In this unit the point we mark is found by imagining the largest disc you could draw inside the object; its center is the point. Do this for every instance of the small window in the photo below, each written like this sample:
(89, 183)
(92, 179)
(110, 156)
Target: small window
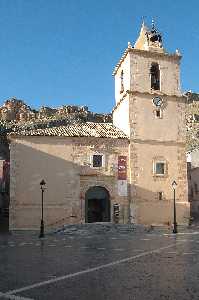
(155, 76)
(122, 82)
(97, 160)
(160, 168)
(158, 113)
(160, 196)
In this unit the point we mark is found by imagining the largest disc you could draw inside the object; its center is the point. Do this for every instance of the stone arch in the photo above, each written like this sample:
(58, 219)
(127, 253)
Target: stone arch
(85, 185)
(97, 204)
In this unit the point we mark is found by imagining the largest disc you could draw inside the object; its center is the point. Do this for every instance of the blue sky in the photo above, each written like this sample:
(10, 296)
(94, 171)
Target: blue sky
(56, 52)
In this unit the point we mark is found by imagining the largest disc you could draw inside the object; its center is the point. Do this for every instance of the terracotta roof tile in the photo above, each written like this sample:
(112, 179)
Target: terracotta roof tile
(88, 129)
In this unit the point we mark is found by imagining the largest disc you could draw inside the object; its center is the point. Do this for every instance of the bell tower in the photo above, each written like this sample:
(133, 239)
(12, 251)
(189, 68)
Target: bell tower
(150, 109)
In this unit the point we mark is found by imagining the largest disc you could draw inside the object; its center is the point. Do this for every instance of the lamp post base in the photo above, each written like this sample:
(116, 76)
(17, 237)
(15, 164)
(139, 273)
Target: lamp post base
(175, 230)
(41, 235)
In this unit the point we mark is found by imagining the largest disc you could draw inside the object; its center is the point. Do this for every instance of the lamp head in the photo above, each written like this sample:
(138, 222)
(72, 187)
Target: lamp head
(42, 183)
(174, 184)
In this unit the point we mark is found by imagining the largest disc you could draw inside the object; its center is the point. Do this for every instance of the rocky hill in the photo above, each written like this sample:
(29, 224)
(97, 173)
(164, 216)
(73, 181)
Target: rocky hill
(16, 115)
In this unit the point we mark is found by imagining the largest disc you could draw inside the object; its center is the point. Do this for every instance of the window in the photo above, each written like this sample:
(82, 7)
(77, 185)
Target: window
(97, 160)
(159, 168)
(160, 196)
(155, 76)
(122, 82)
(158, 113)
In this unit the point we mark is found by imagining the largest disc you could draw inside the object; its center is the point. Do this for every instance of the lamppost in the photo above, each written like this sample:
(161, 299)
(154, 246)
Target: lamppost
(42, 184)
(174, 185)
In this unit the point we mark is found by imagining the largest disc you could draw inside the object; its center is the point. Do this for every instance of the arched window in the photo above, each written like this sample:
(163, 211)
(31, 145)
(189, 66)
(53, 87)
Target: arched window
(155, 76)
(122, 82)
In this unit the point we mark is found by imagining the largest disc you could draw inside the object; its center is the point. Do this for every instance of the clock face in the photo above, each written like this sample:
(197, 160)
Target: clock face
(157, 101)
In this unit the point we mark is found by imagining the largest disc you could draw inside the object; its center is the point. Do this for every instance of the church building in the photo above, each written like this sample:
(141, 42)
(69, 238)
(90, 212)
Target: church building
(110, 172)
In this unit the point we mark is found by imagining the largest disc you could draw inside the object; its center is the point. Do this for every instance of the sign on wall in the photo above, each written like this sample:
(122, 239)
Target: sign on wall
(122, 188)
(122, 167)
(122, 175)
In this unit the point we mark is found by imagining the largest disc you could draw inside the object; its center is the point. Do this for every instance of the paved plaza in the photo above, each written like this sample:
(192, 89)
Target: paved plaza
(100, 264)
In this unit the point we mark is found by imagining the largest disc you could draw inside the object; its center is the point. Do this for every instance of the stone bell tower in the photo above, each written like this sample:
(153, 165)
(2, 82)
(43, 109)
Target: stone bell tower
(150, 109)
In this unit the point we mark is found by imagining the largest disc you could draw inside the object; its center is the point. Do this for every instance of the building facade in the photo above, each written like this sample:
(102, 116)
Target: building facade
(79, 164)
(120, 172)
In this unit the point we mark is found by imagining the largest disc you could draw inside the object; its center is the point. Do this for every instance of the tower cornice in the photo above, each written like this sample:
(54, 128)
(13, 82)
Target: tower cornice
(152, 53)
(147, 94)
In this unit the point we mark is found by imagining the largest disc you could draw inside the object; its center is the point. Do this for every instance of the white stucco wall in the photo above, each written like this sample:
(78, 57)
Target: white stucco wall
(121, 116)
(125, 67)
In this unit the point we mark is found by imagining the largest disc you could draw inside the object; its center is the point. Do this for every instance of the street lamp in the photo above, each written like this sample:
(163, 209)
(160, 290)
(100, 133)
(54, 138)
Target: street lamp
(42, 184)
(174, 185)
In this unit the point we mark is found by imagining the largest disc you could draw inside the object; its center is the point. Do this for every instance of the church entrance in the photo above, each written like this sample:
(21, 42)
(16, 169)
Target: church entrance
(97, 205)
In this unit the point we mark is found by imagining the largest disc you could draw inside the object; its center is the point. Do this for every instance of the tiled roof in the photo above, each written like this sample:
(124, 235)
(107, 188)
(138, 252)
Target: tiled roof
(88, 129)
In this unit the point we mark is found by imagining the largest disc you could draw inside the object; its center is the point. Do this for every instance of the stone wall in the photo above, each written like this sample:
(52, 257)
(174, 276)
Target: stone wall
(158, 140)
(152, 137)
(140, 62)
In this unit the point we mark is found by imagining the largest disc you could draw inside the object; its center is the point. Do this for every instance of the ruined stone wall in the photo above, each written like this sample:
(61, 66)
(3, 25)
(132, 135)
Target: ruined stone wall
(65, 165)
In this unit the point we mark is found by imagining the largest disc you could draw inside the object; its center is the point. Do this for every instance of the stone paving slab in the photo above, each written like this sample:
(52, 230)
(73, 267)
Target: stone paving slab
(103, 228)
(90, 229)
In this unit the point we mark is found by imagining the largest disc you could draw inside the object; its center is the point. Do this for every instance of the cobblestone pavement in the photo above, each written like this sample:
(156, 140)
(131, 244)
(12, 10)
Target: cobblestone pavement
(100, 262)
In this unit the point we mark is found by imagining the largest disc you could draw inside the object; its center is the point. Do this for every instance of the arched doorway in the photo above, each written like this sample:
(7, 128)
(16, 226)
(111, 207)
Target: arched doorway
(97, 205)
